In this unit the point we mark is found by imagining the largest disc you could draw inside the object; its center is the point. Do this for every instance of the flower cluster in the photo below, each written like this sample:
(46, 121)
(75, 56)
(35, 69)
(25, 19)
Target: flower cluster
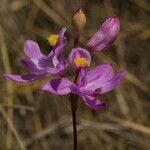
(90, 83)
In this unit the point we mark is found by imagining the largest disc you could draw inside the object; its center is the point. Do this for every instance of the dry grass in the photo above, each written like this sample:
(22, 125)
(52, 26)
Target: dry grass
(33, 119)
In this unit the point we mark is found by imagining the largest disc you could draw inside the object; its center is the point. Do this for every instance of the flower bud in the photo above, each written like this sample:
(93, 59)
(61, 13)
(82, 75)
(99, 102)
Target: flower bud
(79, 20)
(105, 36)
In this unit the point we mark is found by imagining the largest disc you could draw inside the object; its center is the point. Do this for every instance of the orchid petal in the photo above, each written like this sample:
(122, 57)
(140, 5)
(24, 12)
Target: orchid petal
(44, 62)
(62, 34)
(32, 49)
(90, 92)
(81, 81)
(59, 86)
(58, 50)
(44, 65)
(105, 36)
(99, 75)
(116, 81)
(61, 66)
(93, 103)
(23, 78)
(61, 43)
(32, 65)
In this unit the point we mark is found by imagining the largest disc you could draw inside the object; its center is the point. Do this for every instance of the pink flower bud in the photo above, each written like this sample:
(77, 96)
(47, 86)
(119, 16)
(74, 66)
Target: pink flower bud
(79, 19)
(105, 36)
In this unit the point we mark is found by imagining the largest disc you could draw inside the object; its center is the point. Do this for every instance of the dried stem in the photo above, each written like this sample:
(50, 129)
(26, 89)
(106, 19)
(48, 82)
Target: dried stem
(12, 128)
(9, 86)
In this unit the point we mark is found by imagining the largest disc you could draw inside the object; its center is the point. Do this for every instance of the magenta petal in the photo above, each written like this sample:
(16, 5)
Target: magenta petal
(61, 43)
(58, 50)
(59, 86)
(105, 36)
(75, 89)
(44, 65)
(101, 80)
(62, 34)
(99, 75)
(81, 81)
(93, 103)
(32, 49)
(90, 92)
(44, 62)
(32, 66)
(116, 81)
(61, 66)
(23, 78)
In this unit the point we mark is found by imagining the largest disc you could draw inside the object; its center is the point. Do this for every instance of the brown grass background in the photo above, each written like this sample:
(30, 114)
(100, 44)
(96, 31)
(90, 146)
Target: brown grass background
(35, 120)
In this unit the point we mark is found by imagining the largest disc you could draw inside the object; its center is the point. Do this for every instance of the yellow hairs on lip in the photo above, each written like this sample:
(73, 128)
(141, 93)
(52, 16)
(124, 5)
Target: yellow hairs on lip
(81, 62)
(53, 39)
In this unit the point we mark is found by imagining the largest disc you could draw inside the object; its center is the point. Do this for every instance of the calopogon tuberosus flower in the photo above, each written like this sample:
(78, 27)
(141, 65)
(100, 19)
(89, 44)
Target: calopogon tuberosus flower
(90, 84)
(105, 36)
(41, 65)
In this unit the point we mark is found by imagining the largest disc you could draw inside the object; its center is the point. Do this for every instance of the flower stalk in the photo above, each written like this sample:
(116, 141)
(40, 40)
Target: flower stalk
(73, 110)
(74, 101)
(78, 23)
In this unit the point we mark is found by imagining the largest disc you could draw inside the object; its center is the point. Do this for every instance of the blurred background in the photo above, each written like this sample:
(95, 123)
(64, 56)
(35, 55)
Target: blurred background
(32, 119)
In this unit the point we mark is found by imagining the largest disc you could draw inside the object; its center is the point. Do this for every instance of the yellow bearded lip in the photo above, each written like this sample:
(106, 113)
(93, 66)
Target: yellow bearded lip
(81, 62)
(53, 39)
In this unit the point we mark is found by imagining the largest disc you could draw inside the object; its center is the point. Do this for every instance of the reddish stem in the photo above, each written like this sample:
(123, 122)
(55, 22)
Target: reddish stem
(74, 102)
(73, 110)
